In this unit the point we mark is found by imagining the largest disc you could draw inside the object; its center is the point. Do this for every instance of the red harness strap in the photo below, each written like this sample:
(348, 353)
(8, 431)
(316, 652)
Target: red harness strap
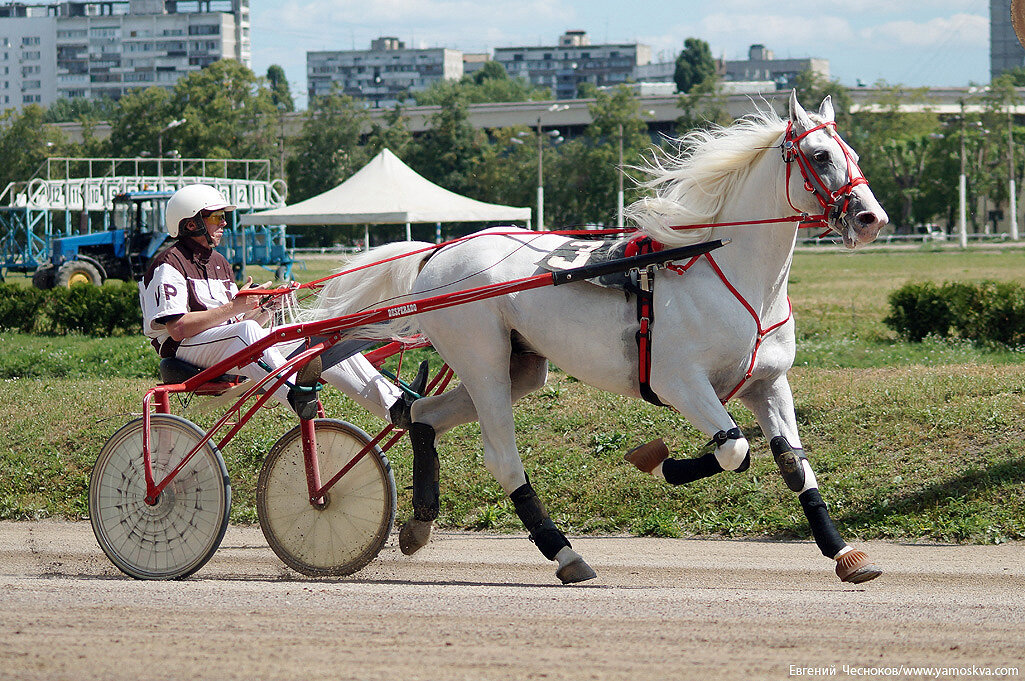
(762, 332)
(644, 291)
(645, 316)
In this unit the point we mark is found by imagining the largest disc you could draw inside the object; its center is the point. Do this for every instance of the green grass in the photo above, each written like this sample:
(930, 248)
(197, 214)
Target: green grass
(909, 441)
(911, 453)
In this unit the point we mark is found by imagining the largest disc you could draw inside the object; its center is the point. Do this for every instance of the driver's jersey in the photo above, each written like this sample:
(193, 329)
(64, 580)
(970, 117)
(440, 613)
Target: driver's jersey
(186, 277)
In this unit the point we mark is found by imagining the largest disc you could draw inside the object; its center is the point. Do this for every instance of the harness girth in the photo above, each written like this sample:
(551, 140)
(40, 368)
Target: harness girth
(644, 291)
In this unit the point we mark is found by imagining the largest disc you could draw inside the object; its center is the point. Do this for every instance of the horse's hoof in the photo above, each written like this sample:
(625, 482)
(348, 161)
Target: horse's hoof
(855, 567)
(414, 535)
(577, 570)
(648, 456)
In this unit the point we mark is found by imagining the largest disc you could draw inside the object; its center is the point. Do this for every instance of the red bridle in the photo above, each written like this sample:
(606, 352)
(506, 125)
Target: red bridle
(834, 203)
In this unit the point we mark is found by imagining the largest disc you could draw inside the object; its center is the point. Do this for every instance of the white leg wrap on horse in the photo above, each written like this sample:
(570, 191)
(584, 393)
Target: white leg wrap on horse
(732, 453)
(809, 477)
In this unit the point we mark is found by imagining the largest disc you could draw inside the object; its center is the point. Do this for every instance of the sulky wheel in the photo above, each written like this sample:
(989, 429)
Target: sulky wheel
(346, 531)
(180, 532)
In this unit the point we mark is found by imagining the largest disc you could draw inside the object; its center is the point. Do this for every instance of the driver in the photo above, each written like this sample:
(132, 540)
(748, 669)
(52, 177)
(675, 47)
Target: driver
(191, 311)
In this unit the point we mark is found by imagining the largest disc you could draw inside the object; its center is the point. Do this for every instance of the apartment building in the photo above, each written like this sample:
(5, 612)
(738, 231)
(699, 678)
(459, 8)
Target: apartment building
(1005, 52)
(762, 65)
(104, 49)
(382, 75)
(574, 60)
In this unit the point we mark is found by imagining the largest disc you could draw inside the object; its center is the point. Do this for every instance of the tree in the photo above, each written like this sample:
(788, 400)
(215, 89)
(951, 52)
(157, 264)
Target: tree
(1015, 76)
(280, 94)
(80, 109)
(490, 84)
(813, 87)
(694, 65)
(703, 106)
(448, 154)
(581, 185)
(394, 135)
(327, 150)
(25, 142)
(137, 118)
(227, 112)
(897, 148)
(507, 172)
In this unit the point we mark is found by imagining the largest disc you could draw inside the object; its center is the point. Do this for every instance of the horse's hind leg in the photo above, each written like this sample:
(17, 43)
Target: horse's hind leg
(773, 406)
(494, 377)
(433, 416)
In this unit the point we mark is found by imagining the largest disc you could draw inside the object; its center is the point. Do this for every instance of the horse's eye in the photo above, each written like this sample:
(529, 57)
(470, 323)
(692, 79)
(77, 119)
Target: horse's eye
(821, 157)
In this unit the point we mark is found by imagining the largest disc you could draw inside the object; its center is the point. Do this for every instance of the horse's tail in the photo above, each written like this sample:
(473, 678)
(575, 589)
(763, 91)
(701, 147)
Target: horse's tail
(379, 277)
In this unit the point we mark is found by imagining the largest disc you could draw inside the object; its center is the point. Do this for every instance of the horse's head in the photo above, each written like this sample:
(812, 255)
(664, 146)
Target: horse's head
(830, 181)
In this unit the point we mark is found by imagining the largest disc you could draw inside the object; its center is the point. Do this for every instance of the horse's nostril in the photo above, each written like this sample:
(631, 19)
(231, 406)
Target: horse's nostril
(867, 217)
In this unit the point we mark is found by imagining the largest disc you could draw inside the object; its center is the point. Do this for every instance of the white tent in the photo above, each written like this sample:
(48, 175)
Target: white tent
(386, 192)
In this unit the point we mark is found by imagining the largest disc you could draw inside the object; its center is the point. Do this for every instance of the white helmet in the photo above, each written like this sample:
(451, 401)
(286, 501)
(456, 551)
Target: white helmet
(188, 202)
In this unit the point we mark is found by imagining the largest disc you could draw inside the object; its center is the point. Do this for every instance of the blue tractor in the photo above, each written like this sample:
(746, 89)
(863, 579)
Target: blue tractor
(121, 252)
(137, 233)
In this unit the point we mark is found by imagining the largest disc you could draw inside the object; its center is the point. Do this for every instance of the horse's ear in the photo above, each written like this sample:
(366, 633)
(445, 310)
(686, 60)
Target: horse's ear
(826, 109)
(798, 115)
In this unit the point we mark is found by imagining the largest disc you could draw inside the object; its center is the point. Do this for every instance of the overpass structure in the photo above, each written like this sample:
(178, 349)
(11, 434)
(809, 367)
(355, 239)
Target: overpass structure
(659, 111)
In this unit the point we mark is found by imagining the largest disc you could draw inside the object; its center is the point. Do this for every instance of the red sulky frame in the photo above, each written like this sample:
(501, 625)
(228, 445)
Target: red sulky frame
(333, 331)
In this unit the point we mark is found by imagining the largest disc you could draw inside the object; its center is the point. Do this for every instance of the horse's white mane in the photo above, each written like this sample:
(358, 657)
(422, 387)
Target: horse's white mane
(692, 183)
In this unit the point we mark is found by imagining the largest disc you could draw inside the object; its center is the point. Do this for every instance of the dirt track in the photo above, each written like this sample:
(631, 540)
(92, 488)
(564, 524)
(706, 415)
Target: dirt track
(473, 606)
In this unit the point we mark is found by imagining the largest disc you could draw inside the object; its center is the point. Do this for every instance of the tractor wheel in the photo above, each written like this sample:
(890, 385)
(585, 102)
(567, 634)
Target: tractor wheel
(44, 278)
(78, 272)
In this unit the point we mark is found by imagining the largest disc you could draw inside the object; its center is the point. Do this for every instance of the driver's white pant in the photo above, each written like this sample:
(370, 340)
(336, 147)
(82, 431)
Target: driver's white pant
(356, 377)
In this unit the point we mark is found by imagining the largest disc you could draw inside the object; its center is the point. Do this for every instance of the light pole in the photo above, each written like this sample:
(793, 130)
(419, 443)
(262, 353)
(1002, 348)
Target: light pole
(619, 182)
(962, 191)
(619, 177)
(160, 143)
(540, 167)
(1012, 199)
(540, 180)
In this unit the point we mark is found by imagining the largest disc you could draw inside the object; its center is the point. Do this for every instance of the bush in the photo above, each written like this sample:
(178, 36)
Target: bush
(19, 307)
(986, 313)
(108, 310)
(918, 310)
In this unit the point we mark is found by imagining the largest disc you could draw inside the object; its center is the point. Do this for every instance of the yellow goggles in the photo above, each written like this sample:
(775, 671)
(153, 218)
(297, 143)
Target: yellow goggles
(217, 216)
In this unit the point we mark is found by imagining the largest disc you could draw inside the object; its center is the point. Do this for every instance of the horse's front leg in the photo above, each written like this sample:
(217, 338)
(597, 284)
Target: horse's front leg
(772, 403)
(697, 402)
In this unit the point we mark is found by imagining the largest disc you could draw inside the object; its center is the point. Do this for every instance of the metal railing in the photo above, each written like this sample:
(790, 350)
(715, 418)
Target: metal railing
(61, 168)
(91, 183)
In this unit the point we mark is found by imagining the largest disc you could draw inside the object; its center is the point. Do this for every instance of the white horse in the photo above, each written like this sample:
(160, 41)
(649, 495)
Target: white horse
(722, 328)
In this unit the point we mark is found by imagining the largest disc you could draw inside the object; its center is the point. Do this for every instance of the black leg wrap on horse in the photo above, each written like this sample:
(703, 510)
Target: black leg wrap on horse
(789, 461)
(532, 513)
(682, 471)
(822, 528)
(426, 472)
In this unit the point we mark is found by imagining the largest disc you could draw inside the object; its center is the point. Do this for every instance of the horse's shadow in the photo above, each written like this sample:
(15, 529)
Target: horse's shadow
(937, 493)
